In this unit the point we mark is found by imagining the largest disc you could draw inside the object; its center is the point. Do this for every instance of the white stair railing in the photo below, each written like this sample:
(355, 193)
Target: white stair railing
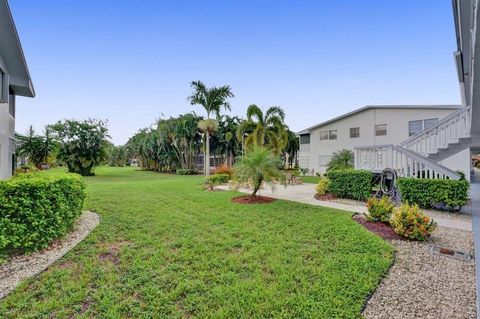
(405, 162)
(438, 136)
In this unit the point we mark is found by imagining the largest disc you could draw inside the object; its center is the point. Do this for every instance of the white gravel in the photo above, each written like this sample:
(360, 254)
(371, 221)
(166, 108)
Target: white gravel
(421, 285)
(22, 267)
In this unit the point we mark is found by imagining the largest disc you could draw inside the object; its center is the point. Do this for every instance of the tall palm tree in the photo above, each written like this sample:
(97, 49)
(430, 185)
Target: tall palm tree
(213, 100)
(267, 129)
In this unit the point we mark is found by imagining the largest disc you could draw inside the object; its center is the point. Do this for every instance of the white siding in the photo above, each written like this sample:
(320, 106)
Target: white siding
(397, 131)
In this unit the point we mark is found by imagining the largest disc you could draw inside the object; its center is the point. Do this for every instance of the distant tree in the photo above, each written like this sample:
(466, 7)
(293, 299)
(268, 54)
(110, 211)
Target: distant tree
(291, 149)
(37, 149)
(213, 100)
(82, 144)
(117, 156)
(343, 159)
(264, 129)
(257, 166)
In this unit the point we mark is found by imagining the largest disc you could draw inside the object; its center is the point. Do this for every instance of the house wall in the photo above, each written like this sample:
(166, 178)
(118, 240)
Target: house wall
(462, 161)
(7, 132)
(316, 155)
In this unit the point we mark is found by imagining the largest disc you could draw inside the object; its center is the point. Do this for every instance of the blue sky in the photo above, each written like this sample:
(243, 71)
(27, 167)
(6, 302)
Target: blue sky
(132, 61)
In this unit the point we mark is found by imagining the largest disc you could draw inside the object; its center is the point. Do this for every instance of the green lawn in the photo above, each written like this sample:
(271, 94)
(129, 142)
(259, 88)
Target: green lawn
(167, 249)
(310, 179)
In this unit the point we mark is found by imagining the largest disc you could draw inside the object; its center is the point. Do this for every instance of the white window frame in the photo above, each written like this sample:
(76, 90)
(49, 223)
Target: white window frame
(355, 128)
(329, 135)
(423, 124)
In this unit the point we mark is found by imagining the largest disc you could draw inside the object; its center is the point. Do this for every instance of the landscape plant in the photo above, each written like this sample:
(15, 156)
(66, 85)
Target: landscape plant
(410, 222)
(224, 169)
(83, 144)
(343, 159)
(350, 183)
(379, 209)
(322, 186)
(257, 166)
(215, 180)
(36, 208)
(427, 192)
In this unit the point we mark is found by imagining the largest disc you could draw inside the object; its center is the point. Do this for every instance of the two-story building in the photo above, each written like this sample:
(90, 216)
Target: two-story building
(369, 125)
(14, 81)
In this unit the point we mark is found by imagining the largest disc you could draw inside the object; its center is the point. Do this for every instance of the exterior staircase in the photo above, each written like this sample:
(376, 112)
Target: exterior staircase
(418, 156)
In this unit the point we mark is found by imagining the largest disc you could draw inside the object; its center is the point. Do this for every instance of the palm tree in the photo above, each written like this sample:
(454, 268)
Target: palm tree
(37, 149)
(267, 129)
(213, 100)
(343, 159)
(291, 149)
(259, 165)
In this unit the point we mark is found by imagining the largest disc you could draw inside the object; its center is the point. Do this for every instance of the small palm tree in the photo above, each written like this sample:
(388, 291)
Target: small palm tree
(213, 100)
(259, 165)
(343, 159)
(37, 149)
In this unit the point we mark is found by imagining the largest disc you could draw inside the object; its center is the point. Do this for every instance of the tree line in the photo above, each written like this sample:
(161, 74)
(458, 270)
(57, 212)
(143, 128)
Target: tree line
(170, 143)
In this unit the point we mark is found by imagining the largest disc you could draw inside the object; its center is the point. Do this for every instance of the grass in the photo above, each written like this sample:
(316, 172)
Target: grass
(167, 249)
(310, 179)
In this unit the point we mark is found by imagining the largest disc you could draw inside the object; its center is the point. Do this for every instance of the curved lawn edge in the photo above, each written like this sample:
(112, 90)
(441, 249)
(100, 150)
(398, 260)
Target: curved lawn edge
(22, 267)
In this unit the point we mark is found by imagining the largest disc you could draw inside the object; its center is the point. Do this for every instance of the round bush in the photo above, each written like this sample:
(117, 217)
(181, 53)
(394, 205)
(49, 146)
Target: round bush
(410, 222)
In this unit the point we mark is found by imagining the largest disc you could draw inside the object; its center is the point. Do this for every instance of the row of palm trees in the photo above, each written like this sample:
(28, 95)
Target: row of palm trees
(176, 142)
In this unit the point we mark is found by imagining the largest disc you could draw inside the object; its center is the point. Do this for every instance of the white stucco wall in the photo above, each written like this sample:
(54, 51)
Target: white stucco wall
(7, 130)
(317, 153)
(462, 161)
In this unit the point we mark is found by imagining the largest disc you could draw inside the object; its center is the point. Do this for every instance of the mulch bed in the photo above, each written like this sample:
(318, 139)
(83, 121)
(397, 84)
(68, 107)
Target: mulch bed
(248, 199)
(381, 229)
(326, 197)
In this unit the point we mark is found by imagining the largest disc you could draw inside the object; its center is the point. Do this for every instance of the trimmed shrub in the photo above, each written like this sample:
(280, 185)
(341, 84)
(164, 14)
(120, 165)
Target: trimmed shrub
(214, 180)
(322, 186)
(379, 209)
(410, 222)
(350, 183)
(38, 208)
(186, 171)
(224, 169)
(425, 192)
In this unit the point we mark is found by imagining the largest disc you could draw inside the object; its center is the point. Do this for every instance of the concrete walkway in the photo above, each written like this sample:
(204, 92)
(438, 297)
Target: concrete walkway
(304, 194)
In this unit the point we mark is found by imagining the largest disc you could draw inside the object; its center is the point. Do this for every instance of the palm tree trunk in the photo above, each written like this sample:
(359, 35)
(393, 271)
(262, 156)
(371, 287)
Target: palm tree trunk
(207, 155)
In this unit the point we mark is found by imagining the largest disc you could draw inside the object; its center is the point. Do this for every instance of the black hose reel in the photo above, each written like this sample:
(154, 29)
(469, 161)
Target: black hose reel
(388, 184)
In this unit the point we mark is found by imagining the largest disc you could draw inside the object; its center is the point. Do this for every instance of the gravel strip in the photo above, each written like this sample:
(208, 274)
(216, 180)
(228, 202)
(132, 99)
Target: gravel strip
(22, 267)
(421, 285)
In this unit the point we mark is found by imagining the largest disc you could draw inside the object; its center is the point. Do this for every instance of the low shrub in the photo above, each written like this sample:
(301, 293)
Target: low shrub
(350, 183)
(186, 171)
(426, 192)
(410, 222)
(214, 180)
(37, 208)
(322, 186)
(224, 169)
(304, 171)
(379, 209)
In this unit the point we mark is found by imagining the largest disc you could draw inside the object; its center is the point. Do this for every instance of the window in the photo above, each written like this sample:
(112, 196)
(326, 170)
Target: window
(2, 86)
(416, 126)
(305, 139)
(354, 132)
(380, 129)
(328, 135)
(11, 105)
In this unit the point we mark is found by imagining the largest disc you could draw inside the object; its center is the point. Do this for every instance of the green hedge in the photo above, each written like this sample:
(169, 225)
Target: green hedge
(425, 192)
(37, 208)
(218, 178)
(184, 171)
(350, 183)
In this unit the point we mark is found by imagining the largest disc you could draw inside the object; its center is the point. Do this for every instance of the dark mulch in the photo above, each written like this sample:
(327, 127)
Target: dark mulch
(326, 197)
(381, 229)
(248, 199)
